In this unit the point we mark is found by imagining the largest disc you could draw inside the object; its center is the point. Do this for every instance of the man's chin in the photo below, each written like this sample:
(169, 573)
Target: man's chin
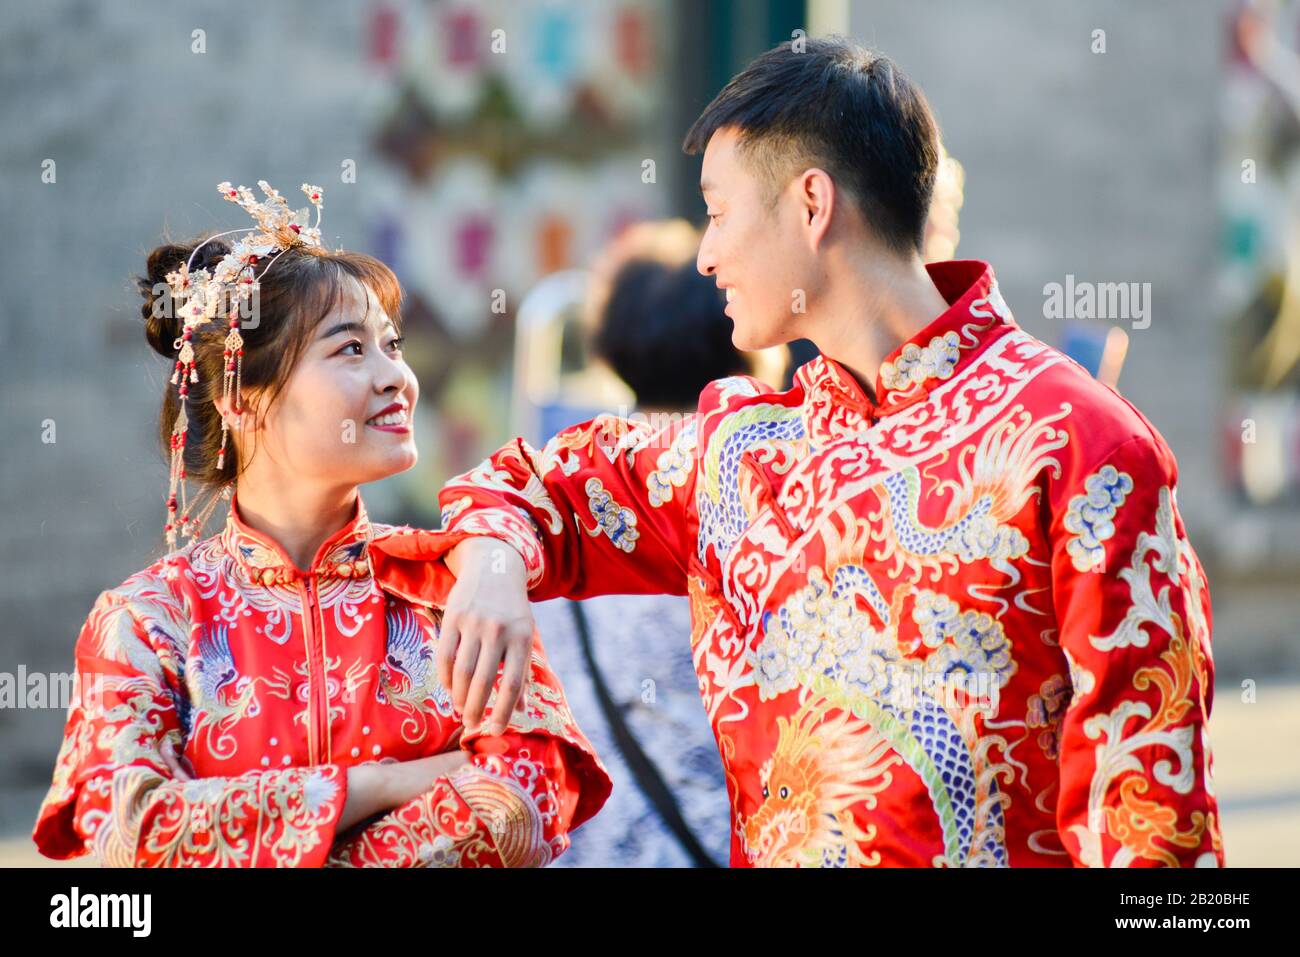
(749, 341)
(745, 339)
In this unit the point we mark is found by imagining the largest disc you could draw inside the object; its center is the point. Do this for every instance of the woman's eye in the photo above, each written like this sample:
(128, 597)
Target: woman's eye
(395, 344)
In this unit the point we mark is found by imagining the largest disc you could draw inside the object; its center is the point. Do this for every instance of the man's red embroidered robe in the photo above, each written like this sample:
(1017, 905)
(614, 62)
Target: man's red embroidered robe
(954, 623)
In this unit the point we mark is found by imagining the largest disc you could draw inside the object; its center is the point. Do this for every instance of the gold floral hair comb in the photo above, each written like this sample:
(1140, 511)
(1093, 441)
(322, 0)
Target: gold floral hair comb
(198, 296)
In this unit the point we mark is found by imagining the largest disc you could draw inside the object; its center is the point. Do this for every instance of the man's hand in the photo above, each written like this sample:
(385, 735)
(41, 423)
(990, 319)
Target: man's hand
(487, 619)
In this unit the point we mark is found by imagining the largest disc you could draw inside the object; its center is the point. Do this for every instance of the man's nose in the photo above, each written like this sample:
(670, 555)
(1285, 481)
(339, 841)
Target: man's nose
(704, 259)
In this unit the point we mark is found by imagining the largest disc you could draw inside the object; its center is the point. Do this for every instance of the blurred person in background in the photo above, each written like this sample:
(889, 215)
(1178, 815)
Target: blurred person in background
(660, 326)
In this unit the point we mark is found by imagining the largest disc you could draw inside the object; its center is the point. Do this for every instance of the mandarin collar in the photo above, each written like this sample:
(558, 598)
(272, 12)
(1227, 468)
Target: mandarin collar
(835, 404)
(345, 554)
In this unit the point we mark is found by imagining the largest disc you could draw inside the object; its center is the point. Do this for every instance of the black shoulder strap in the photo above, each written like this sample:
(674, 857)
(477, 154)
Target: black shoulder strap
(648, 778)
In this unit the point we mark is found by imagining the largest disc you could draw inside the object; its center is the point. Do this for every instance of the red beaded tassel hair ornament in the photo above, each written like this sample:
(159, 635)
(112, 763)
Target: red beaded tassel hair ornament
(199, 297)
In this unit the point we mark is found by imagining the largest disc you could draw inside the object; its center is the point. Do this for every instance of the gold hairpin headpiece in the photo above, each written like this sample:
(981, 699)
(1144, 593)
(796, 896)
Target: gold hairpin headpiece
(198, 296)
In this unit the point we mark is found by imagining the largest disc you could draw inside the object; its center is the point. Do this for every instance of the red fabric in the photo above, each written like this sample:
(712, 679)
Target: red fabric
(272, 682)
(953, 622)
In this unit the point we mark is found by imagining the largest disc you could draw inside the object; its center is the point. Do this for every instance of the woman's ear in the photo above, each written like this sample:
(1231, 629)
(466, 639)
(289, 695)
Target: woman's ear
(246, 420)
(224, 408)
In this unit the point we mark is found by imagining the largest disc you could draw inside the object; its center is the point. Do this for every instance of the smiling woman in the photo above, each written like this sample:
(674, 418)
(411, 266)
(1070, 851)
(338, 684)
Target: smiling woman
(287, 334)
(266, 696)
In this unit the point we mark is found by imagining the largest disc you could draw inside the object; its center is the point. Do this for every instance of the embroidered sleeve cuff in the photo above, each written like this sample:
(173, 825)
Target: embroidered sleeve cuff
(511, 526)
(135, 818)
(508, 813)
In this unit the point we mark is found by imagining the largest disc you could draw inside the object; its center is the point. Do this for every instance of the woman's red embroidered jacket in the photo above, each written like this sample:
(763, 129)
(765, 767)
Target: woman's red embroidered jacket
(272, 681)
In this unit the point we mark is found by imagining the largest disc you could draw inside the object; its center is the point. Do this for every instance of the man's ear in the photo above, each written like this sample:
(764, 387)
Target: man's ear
(817, 204)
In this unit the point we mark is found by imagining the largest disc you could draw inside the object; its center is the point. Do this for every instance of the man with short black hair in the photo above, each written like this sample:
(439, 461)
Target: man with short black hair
(844, 109)
(945, 612)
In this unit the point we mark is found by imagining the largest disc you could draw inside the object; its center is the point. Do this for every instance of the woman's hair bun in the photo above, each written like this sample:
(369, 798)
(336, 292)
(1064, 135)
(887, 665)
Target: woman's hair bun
(161, 324)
